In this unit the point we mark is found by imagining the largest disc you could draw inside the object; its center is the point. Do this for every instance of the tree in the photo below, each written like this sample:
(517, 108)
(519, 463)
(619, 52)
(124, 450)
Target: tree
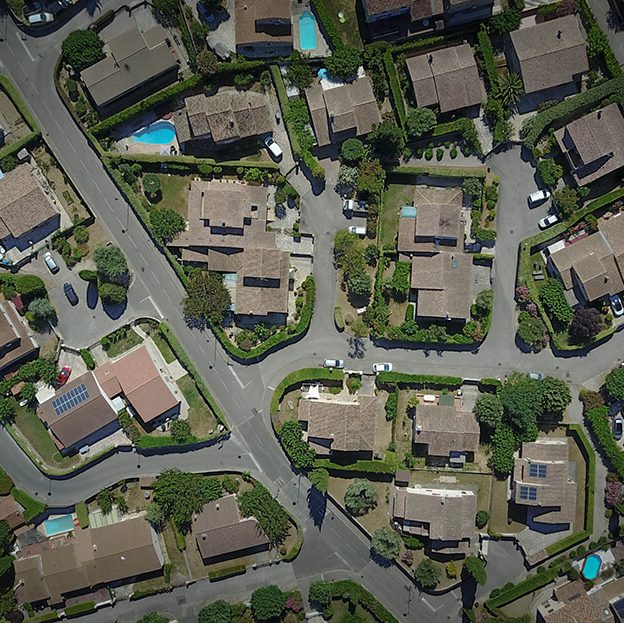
(344, 243)
(386, 543)
(387, 140)
(481, 519)
(553, 297)
(371, 178)
(613, 493)
(168, 10)
(155, 515)
(42, 309)
(28, 392)
(420, 121)
(319, 479)
(427, 574)
(217, 612)
(549, 171)
(81, 234)
(8, 163)
(555, 395)
(206, 62)
(506, 21)
(208, 300)
(475, 568)
(473, 187)
(6, 537)
(597, 41)
(166, 224)
(585, 324)
(154, 617)
(360, 497)
(298, 71)
(489, 411)
(360, 284)
(352, 151)
(532, 331)
(509, 89)
(7, 409)
(267, 602)
(299, 451)
(82, 48)
(151, 184)
(111, 264)
(181, 432)
(112, 293)
(347, 179)
(320, 593)
(344, 61)
(566, 200)
(521, 398)
(615, 384)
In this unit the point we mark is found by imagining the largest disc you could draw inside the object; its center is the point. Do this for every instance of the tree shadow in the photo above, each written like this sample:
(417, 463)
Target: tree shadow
(380, 560)
(115, 311)
(317, 506)
(92, 295)
(468, 592)
(92, 6)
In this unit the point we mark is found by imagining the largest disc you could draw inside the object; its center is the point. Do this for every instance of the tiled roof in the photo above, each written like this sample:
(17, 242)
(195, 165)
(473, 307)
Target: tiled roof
(443, 429)
(260, 21)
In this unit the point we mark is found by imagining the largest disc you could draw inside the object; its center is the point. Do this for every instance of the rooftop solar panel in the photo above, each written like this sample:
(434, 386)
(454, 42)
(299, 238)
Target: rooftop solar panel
(71, 399)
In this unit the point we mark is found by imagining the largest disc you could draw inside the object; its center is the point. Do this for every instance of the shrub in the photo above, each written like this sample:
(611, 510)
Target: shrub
(112, 293)
(427, 574)
(420, 121)
(344, 61)
(87, 357)
(481, 519)
(88, 275)
(352, 151)
(412, 542)
(267, 602)
(217, 612)
(549, 171)
(81, 234)
(151, 183)
(299, 451)
(360, 497)
(614, 383)
(320, 593)
(392, 405)
(166, 224)
(386, 543)
(206, 62)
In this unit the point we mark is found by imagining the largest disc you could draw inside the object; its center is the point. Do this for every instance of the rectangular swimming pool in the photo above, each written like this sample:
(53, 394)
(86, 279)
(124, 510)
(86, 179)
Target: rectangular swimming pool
(58, 525)
(307, 31)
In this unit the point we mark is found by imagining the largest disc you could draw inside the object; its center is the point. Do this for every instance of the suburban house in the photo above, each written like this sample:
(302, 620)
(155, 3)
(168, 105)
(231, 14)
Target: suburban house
(221, 533)
(137, 64)
(11, 512)
(78, 414)
(15, 343)
(221, 119)
(447, 79)
(336, 428)
(591, 268)
(549, 54)
(443, 434)
(28, 211)
(544, 481)
(444, 516)
(48, 572)
(227, 233)
(263, 28)
(342, 110)
(135, 377)
(594, 144)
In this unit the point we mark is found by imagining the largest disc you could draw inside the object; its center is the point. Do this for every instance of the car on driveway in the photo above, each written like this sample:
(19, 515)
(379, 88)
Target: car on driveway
(50, 263)
(382, 367)
(70, 293)
(63, 376)
(40, 18)
(548, 221)
(616, 305)
(334, 363)
(618, 426)
(536, 376)
(274, 149)
(32, 8)
(539, 196)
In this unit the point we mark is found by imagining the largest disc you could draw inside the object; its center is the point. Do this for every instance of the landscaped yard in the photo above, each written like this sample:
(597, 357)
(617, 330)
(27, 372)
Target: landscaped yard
(201, 418)
(499, 509)
(174, 189)
(349, 28)
(396, 196)
(163, 347)
(130, 340)
(340, 610)
(288, 409)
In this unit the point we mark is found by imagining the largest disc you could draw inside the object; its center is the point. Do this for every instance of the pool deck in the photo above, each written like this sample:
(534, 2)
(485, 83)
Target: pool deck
(127, 144)
(322, 49)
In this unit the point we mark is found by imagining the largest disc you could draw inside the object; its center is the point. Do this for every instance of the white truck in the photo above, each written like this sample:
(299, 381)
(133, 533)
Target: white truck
(354, 206)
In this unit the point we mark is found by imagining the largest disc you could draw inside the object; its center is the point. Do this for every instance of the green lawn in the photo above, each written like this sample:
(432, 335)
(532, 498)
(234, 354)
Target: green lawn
(349, 30)
(174, 189)
(163, 347)
(201, 418)
(396, 196)
(131, 340)
(340, 610)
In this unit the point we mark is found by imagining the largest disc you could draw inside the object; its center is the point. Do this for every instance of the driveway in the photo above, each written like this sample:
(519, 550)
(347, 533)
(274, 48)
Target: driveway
(85, 323)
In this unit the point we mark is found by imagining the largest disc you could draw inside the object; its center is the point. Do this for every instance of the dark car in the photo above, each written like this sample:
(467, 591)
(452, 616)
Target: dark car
(70, 293)
(618, 425)
(32, 8)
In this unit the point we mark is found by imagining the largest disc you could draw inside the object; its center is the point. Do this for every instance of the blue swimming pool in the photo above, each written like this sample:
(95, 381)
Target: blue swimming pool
(591, 567)
(158, 133)
(408, 212)
(59, 525)
(307, 31)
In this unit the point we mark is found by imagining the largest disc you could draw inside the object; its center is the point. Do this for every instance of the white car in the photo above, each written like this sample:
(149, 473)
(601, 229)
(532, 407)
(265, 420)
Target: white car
(539, 196)
(274, 149)
(50, 263)
(616, 305)
(382, 367)
(40, 18)
(548, 221)
(355, 229)
(334, 363)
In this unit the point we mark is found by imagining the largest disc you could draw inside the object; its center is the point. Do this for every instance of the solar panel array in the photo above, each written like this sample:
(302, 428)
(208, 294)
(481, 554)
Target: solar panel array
(528, 493)
(71, 399)
(537, 470)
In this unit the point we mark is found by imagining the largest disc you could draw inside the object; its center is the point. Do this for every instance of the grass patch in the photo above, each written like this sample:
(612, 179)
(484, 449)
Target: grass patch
(201, 418)
(349, 31)
(174, 189)
(396, 196)
(131, 340)
(163, 347)
(32, 507)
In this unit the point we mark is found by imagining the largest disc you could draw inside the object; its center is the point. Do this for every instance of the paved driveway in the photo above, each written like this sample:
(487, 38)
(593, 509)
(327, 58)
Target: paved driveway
(85, 323)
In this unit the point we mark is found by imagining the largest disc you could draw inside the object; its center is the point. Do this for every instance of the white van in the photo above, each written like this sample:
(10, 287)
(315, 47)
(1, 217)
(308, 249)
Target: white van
(539, 196)
(354, 229)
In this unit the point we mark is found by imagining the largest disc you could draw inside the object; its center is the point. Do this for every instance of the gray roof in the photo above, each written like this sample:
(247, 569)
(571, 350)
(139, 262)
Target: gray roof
(443, 429)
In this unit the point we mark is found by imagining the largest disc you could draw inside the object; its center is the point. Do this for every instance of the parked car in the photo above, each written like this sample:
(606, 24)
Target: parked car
(539, 196)
(40, 18)
(354, 229)
(353, 205)
(382, 367)
(618, 426)
(208, 15)
(274, 149)
(616, 305)
(70, 293)
(334, 363)
(536, 376)
(84, 450)
(547, 221)
(55, 7)
(63, 376)
(50, 263)
(32, 8)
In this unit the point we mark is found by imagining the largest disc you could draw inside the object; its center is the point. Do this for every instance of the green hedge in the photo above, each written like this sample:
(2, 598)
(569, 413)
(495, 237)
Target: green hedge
(589, 454)
(192, 163)
(483, 257)
(13, 148)
(80, 609)
(338, 319)
(486, 52)
(44, 618)
(18, 102)
(150, 592)
(228, 572)
(359, 595)
(466, 128)
(364, 466)
(573, 106)
(395, 88)
(87, 357)
(567, 542)
(329, 28)
(6, 483)
(589, 22)
(422, 44)
(439, 171)
(418, 380)
(530, 584)
(600, 426)
(490, 385)
(82, 512)
(32, 507)
(298, 378)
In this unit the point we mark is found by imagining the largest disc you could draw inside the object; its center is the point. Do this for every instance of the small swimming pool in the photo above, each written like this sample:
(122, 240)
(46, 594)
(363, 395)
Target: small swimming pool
(160, 132)
(591, 567)
(408, 212)
(307, 31)
(58, 525)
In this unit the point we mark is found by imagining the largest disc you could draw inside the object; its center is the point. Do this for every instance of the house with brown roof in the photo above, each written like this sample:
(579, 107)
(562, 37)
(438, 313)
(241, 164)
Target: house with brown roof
(28, 213)
(593, 267)
(342, 111)
(138, 63)
(78, 414)
(263, 28)
(549, 54)
(223, 118)
(135, 377)
(447, 79)
(16, 345)
(443, 516)
(221, 533)
(594, 144)
(93, 557)
(338, 428)
(544, 481)
(11, 512)
(445, 435)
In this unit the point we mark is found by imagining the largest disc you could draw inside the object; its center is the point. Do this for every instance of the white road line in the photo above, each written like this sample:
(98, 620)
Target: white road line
(271, 388)
(155, 306)
(236, 376)
(30, 56)
(253, 458)
(424, 600)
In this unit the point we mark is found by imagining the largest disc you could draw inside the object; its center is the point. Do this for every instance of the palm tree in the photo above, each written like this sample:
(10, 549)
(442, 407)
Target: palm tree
(509, 89)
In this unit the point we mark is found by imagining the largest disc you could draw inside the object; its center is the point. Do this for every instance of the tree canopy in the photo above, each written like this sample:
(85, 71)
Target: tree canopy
(615, 383)
(344, 61)
(42, 308)
(387, 140)
(386, 543)
(219, 611)
(166, 224)
(168, 9)
(82, 48)
(420, 121)
(489, 410)
(352, 151)
(206, 62)
(319, 479)
(585, 324)
(320, 593)
(208, 300)
(475, 568)
(427, 574)
(360, 497)
(267, 602)
(111, 264)
(298, 71)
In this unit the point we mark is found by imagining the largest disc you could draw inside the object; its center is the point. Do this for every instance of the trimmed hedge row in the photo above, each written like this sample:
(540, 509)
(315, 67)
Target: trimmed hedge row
(486, 52)
(441, 171)
(418, 380)
(395, 88)
(326, 21)
(191, 163)
(80, 609)
(150, 592)
(421, 44)
(82, 512)
(590, 475)
(363, 465)
(13, 94)
(299, 377)
(590, 22)
(573, 105)
(358, 594)
(466, 128)
(45, 617)
(529, 585)
(600, 425)
(567, 542)
(221, 574)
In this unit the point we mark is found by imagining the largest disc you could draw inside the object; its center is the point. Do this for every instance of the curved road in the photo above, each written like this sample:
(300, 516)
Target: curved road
(244, 391)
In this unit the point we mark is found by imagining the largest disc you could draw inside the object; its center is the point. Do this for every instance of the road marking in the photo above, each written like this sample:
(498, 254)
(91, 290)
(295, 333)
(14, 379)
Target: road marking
(271, 388)
(253, 458)
(424, 600)
(30, 56)
(155, 306)
(236, 376)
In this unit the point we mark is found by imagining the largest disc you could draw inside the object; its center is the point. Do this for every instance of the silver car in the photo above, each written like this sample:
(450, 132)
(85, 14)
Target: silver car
(334, 363)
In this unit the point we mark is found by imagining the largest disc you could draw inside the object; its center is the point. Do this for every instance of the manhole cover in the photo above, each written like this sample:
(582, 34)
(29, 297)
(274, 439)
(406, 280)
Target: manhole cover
(181, 600)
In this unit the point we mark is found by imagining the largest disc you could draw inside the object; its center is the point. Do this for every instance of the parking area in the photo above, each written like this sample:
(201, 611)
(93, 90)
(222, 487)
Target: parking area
(85, 323)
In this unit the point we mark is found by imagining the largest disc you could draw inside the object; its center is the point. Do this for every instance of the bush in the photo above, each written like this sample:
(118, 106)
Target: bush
(386, 543)
(87, 357)
(112, 293)
(481, 519)
(360, 497)
(320, 593)
(549, 171)
(267, 602)
(166, 224)
(352, 151)
(392, 405)
(6, 483)
(412, 542)
(82, 48)
(217, 612)
(88, 275)
(298, 450)
(343, 62)
(206, 62)
(271, 516)
(81, 234)
(420, 121)
(427, 574)
(614, 383)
